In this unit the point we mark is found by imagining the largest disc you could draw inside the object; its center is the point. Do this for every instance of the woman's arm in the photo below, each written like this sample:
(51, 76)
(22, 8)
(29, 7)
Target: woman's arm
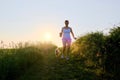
(60, 34)
(72, 33)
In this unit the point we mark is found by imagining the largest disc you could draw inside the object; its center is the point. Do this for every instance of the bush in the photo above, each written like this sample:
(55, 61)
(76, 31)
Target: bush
(90, 46)
(112, 62)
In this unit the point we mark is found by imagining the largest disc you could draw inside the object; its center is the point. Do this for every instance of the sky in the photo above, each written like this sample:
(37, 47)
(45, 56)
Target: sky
(39, 20)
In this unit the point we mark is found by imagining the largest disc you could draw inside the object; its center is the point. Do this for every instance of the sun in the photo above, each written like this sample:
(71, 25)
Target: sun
(48, 36)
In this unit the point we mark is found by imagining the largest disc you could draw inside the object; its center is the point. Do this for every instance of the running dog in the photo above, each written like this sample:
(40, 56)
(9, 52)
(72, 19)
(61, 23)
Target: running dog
(57, 52)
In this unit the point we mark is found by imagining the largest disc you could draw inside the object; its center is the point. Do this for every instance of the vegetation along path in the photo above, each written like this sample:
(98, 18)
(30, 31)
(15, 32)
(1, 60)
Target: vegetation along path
(53, 68)
(94, 56)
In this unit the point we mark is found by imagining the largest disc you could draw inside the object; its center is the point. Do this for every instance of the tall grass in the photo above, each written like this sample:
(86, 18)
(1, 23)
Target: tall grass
(15, 62)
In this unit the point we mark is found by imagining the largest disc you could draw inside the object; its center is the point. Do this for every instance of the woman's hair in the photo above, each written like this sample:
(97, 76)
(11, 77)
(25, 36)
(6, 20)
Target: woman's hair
(66, 21)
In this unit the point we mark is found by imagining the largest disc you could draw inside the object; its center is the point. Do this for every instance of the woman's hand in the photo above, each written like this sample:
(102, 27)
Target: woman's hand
(60, 34)
(75, 38)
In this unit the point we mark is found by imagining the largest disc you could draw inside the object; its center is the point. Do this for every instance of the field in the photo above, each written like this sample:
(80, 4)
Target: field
(92, 57)
(34, 63)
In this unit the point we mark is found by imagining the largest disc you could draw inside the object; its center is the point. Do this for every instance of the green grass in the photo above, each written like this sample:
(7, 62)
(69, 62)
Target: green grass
(33, 63)
(14, 62)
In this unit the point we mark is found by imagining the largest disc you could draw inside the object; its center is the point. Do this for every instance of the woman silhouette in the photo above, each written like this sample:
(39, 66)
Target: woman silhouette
(66, 39)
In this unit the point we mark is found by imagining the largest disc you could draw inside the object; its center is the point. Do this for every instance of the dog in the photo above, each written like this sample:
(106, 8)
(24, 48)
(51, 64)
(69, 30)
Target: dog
(57, 52)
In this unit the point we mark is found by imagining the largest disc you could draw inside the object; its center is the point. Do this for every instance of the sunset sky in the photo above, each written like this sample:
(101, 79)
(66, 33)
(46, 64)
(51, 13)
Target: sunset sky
(41, 20)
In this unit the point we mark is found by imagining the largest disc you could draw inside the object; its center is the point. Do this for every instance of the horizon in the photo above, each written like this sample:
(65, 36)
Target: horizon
(15, 44)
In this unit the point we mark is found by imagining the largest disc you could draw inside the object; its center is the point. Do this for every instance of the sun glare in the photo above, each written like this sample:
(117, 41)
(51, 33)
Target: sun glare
(48, 37)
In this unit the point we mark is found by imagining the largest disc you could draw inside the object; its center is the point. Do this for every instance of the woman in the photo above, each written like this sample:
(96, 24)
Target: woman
(66, 38)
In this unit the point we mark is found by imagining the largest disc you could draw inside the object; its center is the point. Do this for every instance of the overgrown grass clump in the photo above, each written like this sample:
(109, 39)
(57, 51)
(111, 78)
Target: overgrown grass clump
(14, 62)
